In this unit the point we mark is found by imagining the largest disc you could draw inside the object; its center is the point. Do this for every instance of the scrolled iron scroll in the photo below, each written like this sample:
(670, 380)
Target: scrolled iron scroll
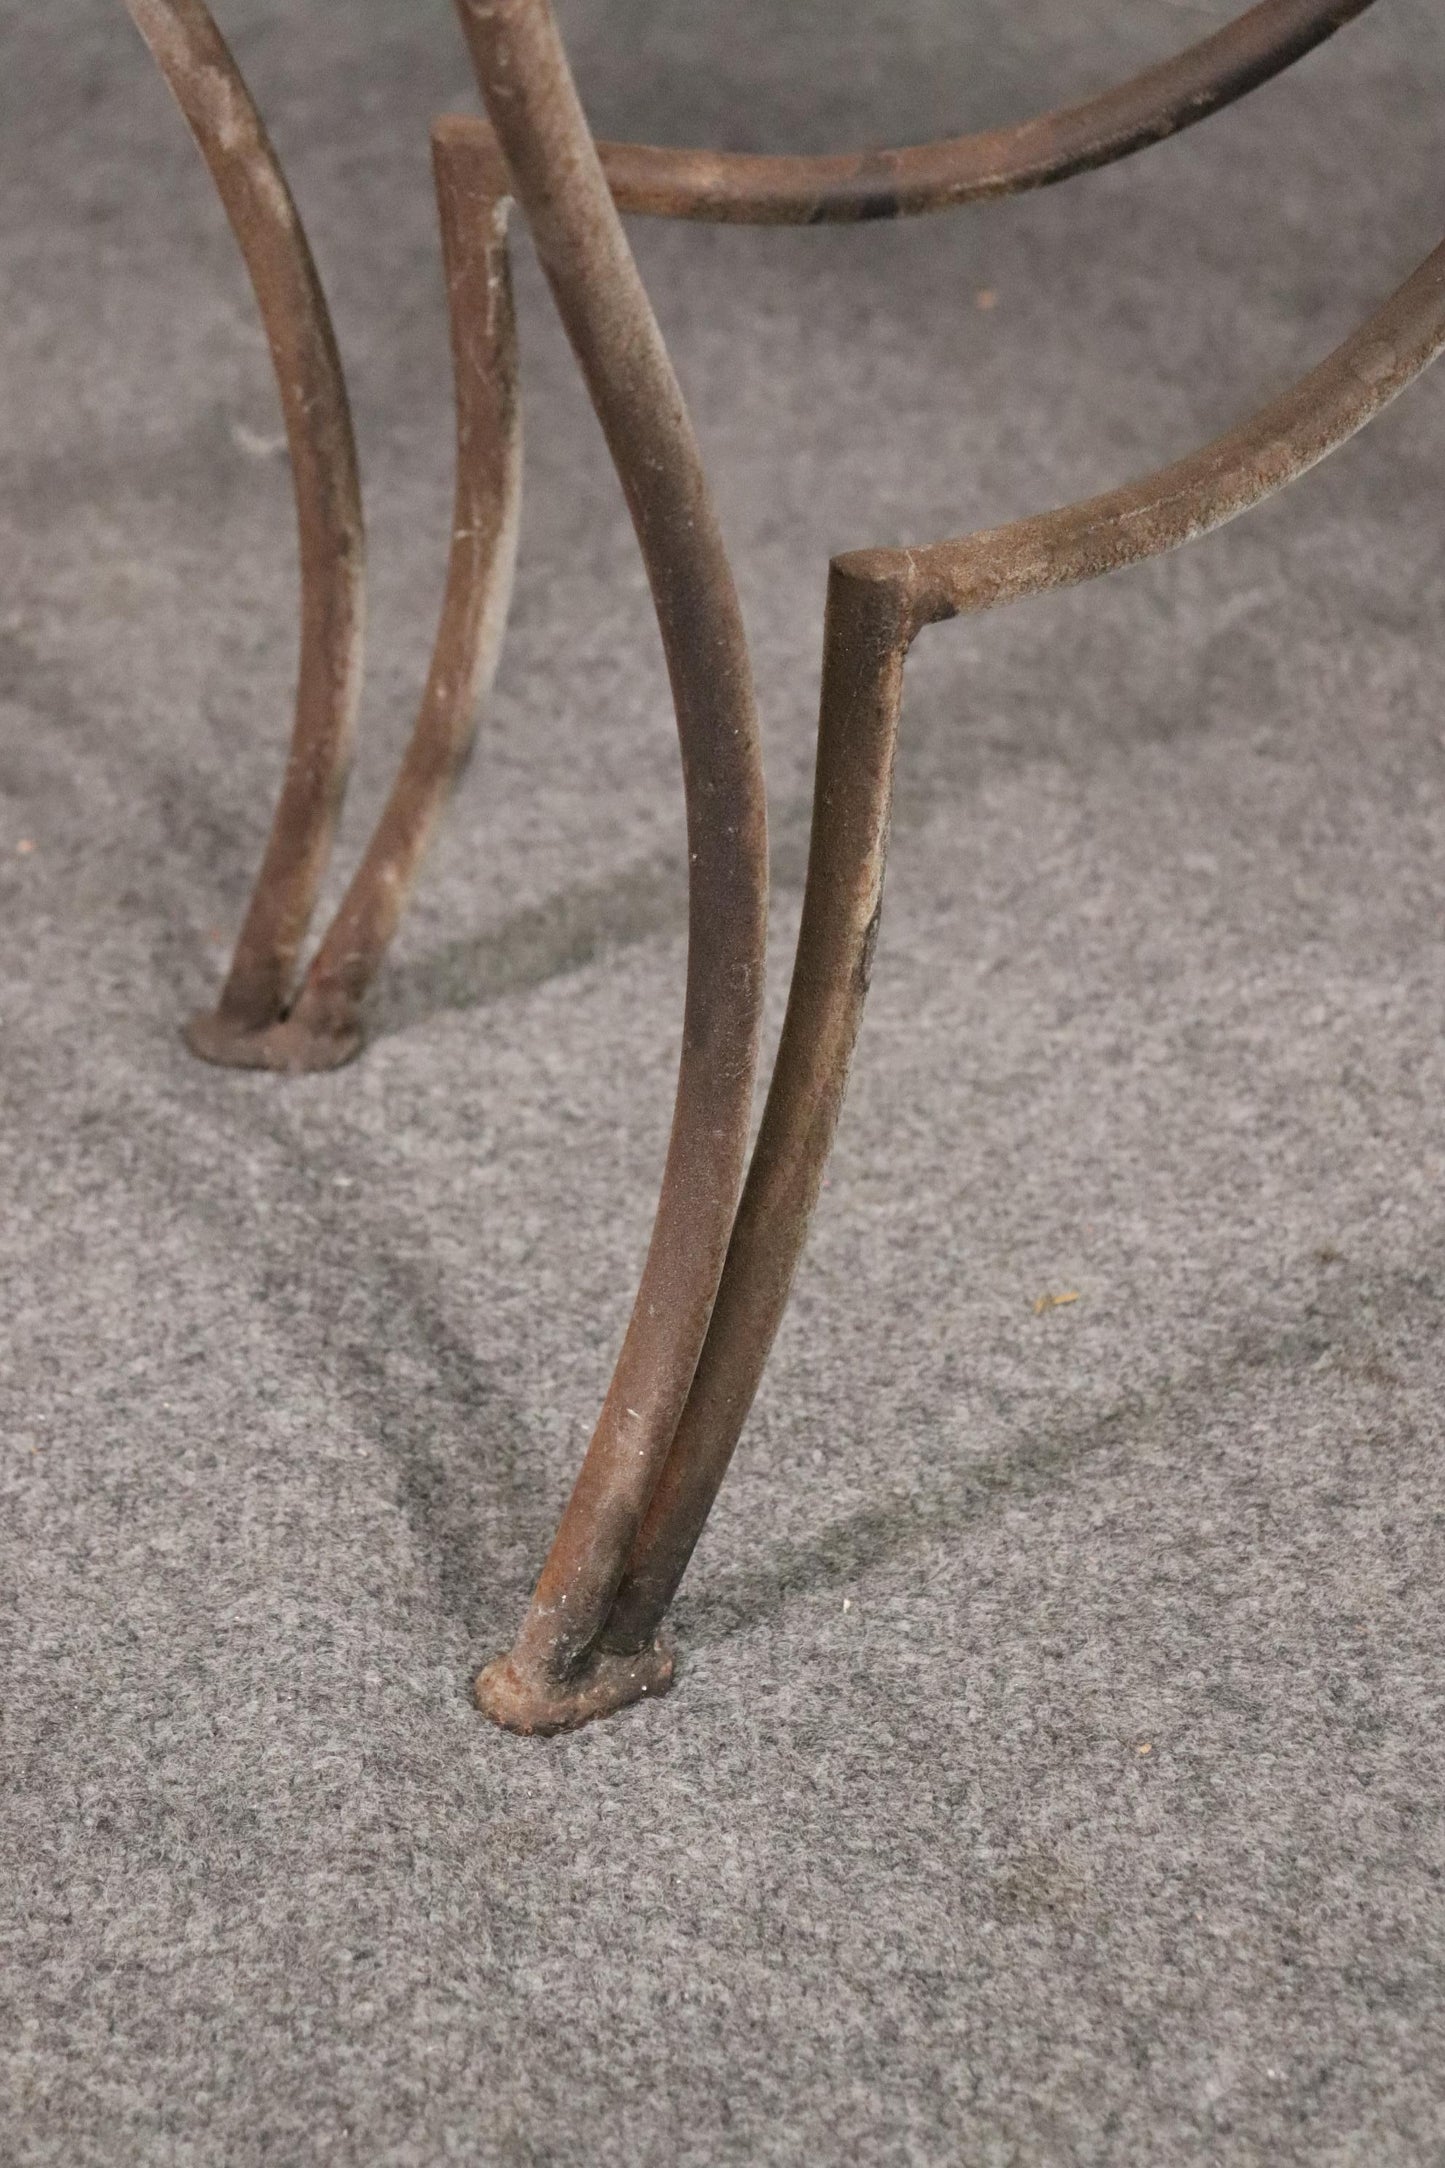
(878, 603)
(323, 1026)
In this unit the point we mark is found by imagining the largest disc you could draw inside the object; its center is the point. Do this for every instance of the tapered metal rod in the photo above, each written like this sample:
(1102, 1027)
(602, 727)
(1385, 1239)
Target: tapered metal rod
(555, 1676)
(742, 188)
(324, 1024)
(878, 602)
(207, 85)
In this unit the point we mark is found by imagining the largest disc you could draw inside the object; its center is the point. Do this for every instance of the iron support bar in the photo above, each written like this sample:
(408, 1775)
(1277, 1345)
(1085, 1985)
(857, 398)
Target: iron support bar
(555, 1676)
(324, 1025)
(745, 189)
(207, 85)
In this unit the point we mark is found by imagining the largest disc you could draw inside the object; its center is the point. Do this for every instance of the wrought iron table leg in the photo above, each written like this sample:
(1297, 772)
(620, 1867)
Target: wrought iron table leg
(207, 85)
(878, 602)
(323, 1026)
(555, 1676)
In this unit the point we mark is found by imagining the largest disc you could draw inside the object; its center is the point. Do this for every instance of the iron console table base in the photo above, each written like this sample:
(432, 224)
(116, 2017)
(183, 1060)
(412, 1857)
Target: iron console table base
(726, 1239)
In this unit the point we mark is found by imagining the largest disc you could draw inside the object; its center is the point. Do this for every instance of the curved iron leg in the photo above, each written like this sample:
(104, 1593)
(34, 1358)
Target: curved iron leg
(868, 630)
(324, 1025)
(207, 85)
(554, 1676)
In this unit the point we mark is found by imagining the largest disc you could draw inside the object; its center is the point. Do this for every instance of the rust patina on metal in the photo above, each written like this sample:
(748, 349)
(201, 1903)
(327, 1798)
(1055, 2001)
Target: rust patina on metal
(261, 1021)
(772, 191)
(720, 1267)
(878, 603)
(207, 85)
(557, 1675)
(742, 188)
(324, 1025)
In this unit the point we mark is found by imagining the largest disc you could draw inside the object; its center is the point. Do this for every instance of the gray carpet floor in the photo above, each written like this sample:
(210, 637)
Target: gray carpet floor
(1055, 1768)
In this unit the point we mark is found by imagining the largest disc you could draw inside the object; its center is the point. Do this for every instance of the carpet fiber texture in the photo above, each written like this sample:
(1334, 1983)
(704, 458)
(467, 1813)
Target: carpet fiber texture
(1055, 1769)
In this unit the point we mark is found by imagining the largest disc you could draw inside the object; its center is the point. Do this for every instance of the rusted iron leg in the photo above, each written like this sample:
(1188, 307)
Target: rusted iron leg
(207, 85)
(324, 1025)
(555, 1675)
(878, 601)
(868, 629)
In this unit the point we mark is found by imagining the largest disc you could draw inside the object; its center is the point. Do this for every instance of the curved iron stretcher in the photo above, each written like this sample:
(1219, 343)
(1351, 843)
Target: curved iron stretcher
(718, 1273)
